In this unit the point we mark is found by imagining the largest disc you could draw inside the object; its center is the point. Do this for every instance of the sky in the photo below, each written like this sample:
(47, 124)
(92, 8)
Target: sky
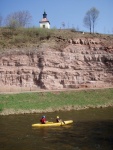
(71, 12)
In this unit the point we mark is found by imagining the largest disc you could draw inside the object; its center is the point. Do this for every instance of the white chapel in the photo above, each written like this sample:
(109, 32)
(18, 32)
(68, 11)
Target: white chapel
(44, 23)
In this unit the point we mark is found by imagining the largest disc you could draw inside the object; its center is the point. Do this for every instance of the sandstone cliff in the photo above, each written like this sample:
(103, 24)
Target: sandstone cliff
(82, 62)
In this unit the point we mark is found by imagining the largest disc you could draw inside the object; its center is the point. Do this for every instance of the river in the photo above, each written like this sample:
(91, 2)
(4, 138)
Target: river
(92, 130)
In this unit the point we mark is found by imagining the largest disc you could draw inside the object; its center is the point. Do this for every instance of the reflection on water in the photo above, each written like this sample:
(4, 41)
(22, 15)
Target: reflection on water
(92, 130)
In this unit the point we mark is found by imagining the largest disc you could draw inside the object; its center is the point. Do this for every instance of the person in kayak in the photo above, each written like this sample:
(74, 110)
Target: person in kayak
(43, 120)
(59, 120)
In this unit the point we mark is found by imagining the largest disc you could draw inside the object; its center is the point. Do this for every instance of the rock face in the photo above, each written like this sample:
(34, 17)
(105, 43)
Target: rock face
(83, 63)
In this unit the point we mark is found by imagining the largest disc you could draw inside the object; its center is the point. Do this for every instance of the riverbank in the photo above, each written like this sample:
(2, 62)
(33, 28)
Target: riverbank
(55, 101)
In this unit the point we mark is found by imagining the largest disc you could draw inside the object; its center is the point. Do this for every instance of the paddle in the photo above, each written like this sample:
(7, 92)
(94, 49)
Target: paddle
(62, 122)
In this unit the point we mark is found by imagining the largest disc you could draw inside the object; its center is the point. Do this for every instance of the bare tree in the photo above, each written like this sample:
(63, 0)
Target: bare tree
(18, 19)
(90, 18)
(1, 20)
(94, 15)
(87, 21)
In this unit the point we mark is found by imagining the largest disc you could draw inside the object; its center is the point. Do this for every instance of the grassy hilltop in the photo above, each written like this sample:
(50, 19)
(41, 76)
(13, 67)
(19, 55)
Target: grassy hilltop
(33, 37)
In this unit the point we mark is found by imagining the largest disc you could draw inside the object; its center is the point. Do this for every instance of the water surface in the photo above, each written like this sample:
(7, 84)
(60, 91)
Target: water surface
(92, 130)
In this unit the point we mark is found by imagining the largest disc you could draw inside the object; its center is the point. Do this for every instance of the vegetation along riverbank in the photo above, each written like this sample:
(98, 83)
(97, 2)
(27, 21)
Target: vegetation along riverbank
(54, 101)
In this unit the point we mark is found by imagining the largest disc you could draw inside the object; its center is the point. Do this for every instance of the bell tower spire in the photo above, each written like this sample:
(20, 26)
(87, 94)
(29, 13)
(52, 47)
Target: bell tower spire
(44, 15)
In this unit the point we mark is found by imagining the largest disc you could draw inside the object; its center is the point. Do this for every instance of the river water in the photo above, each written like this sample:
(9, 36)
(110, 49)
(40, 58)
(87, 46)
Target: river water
(92, 130)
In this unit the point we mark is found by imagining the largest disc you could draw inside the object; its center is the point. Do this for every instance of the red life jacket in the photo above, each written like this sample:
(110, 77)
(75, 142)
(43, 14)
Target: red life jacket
(43, 120)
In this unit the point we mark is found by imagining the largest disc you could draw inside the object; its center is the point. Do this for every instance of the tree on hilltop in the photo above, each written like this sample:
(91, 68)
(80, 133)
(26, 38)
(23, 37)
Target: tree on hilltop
(90, 18)
(18, 19)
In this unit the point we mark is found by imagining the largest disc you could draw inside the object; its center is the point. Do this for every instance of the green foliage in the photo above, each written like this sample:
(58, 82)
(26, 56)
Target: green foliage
(23, 36)
(41, 101)
(36, 32)
(1, 107)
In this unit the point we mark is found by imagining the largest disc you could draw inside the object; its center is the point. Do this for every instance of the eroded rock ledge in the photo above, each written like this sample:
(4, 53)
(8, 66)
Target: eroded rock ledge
(82, 63)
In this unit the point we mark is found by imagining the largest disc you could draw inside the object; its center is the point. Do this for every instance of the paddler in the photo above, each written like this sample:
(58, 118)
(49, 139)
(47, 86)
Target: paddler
(43, 120)
(59, 120)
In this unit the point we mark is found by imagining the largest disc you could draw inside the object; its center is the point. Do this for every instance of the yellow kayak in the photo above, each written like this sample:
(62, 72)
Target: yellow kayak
(52, 124)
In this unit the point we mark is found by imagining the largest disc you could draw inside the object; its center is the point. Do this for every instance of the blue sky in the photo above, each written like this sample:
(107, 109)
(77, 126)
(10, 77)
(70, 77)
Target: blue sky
(71, 12)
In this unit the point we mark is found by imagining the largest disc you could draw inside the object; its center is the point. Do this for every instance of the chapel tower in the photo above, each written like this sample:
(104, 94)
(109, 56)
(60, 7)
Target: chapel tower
(44, 23)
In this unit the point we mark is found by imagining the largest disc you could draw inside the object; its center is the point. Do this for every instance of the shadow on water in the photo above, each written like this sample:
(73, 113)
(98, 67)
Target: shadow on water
(91, 130)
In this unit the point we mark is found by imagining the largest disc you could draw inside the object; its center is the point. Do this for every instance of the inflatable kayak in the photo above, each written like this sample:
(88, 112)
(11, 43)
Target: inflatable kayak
(52, 124)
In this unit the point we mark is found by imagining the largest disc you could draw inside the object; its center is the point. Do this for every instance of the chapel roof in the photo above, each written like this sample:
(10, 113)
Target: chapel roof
(44, 20)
